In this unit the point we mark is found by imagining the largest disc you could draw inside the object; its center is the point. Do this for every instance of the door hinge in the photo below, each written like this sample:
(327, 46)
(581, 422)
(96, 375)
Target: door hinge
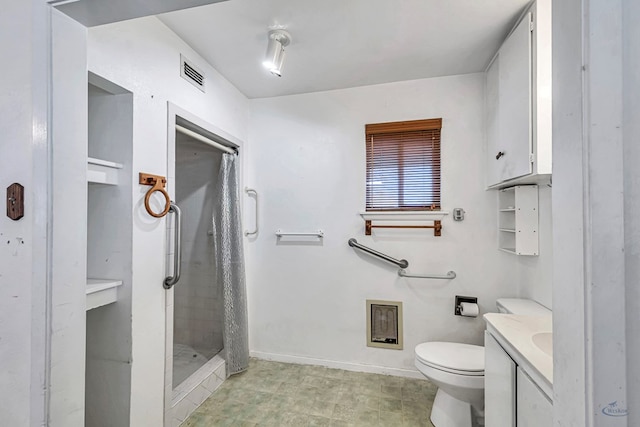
(531, 25)
(532, 157)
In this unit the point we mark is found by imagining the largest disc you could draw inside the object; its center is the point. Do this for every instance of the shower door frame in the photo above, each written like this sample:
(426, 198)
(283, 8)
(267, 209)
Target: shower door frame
(211, 375)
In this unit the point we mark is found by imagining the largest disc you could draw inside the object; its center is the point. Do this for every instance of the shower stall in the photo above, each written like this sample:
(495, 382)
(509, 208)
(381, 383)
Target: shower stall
(198, 314)
(205, 283)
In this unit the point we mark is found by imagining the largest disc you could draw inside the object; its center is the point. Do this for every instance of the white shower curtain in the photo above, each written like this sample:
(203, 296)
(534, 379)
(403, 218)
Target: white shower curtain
(229, 259)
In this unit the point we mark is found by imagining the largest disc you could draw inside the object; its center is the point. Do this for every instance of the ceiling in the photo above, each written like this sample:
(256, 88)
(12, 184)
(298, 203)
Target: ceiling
(345, 43)
(97, 12)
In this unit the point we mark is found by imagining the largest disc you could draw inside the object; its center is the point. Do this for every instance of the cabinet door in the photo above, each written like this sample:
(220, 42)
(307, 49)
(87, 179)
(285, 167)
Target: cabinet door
(534, 408)
(499, 385)
(514, 101)
(493, 122)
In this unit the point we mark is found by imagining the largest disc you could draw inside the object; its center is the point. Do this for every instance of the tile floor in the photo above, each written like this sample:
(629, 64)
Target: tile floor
(281, 394)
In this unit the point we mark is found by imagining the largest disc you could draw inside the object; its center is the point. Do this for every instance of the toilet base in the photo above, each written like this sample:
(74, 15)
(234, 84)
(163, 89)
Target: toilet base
(448, 411)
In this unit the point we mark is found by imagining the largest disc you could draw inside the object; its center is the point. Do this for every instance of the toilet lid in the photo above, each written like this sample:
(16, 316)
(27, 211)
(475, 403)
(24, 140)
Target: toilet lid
(452, 356)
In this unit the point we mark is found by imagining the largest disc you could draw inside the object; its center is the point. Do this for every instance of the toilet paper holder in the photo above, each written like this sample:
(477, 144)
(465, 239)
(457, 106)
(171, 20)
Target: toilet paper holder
(460, 299)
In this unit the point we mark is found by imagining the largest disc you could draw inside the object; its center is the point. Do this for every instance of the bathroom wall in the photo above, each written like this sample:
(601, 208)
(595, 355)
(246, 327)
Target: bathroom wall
(197, 300)
(307, 298)
(23, 159)
(143, 56)
(535, 273)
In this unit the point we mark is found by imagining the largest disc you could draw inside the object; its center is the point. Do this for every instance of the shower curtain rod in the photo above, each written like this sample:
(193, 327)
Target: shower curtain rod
(204, 139)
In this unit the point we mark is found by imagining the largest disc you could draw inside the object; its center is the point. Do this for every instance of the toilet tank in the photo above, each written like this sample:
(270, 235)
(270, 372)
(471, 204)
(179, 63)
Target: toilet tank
(525, 307)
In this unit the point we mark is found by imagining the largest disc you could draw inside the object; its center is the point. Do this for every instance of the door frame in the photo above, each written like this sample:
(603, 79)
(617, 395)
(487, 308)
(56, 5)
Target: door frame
(171, 409)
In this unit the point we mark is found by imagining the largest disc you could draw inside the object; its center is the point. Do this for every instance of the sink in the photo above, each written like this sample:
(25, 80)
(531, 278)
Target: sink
(544, 341)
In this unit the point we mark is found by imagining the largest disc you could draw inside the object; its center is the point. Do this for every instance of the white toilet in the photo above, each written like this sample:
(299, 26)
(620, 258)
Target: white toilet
(458, 371)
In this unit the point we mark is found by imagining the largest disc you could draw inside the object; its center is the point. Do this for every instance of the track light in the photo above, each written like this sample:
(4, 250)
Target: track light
(274, 58)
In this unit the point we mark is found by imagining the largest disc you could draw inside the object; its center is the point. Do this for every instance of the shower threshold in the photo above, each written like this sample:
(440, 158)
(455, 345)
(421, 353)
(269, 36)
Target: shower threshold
(194, 390)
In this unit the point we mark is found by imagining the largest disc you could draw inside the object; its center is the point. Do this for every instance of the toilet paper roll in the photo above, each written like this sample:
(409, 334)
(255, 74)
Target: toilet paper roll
(469, 309)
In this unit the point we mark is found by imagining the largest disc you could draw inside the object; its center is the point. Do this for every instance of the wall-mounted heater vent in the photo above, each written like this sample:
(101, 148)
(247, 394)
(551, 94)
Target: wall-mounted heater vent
(191, 73)
(384, 324)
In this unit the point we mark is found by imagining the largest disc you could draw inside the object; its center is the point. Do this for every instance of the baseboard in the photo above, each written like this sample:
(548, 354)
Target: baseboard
(347, 366)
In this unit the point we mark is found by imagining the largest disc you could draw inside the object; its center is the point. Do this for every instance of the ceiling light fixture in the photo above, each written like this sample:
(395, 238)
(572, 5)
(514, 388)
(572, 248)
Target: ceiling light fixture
(274, 58)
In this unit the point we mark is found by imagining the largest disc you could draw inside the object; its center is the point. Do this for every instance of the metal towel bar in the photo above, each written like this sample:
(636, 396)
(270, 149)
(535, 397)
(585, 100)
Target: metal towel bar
(403, 263)
(318, 233)
(449, 275)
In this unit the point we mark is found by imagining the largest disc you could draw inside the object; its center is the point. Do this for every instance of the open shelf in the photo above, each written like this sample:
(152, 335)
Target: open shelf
(518, 220)
(101, 292)
(102, 171)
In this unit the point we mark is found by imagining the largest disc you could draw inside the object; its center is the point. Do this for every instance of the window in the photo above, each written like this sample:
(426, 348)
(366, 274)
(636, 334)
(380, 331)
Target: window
(403, 165)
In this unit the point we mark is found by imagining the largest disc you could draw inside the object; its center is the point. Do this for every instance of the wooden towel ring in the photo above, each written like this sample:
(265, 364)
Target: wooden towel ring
(158, 183)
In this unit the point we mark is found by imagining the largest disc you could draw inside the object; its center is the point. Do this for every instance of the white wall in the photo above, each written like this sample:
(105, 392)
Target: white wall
(143, 56)
(595, 209)
(23, 243)
(68, 222)
(535, 273)
(631, 81)
(308, 164)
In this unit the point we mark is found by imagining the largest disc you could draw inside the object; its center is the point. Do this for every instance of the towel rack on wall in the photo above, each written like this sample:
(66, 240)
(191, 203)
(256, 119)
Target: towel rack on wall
(437, 227)
(318, 233)
(402, 263)
(157, 183)
(449, 275)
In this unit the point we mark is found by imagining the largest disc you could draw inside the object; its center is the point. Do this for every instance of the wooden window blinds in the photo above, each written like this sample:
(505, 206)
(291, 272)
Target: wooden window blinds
(403, 165)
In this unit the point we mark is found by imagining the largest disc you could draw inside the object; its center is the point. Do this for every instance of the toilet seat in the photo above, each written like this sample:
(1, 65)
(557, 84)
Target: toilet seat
(455, 358)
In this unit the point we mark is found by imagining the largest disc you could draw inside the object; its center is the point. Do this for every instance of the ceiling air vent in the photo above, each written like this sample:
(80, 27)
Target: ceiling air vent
(191, 73)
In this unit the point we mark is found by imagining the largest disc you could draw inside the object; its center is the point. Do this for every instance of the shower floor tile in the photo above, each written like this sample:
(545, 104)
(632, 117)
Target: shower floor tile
(274, 394)
(186, 361)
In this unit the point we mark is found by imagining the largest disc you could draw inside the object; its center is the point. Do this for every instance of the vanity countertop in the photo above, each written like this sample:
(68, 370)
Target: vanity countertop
(516, 334)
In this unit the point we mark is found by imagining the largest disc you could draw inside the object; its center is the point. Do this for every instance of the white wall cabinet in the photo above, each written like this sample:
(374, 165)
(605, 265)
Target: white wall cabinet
(534, 409)
(518, 220)
(518, 103)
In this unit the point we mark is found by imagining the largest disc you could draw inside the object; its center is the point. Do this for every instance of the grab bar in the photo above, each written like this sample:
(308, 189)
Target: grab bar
(251, 190)
(403, 263)
(169, 281)
(281, 233)
(449, 275)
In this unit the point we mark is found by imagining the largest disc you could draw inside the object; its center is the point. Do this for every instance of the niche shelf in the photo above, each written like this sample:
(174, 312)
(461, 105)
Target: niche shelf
(101, 292)
(102, 171)
(108, 287)
(518, 220)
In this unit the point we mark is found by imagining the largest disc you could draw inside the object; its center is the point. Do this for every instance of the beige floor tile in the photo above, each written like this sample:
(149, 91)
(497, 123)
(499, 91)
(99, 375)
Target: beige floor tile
(344, 413)
(272, 394)
(391, 392)
(316, 421)
(410, 421)
(321, 408)
(367, 417)
(390, 405)
(390, 419)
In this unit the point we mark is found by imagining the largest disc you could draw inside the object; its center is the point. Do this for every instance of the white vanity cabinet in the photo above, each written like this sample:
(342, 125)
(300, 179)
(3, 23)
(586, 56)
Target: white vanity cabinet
(534, 409)
(512, 397)
(518, 102)
(499, 385)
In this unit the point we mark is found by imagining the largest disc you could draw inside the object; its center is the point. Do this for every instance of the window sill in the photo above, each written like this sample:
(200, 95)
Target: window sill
(404, 215)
